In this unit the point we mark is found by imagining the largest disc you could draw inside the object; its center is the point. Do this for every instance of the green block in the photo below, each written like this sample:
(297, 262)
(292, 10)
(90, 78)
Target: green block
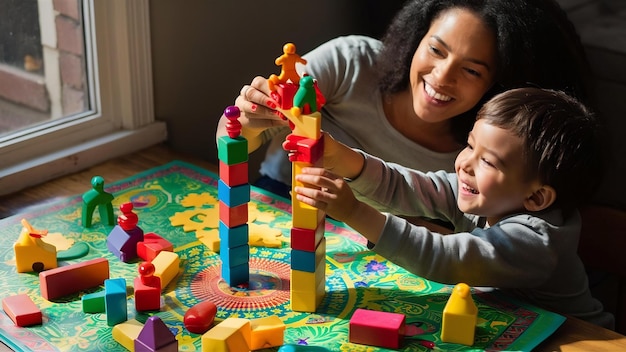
(232, 150)
(93, 302)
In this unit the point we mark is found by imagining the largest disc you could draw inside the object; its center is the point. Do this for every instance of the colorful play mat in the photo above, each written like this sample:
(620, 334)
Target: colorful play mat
(178, 201)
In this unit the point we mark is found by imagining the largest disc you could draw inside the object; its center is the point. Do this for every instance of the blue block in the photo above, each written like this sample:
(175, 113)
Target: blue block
(235, 256)
(231, 237)
(308, 261)
(236, 275)
(115, 301)
(235, 195)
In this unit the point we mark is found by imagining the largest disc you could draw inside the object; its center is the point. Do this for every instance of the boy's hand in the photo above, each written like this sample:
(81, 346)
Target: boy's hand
(326, 191)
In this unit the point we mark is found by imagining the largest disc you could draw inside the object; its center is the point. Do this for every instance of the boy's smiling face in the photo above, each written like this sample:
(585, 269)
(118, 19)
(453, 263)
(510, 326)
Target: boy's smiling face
(492, 173)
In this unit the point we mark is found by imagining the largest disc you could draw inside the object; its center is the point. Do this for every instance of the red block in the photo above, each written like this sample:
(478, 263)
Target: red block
(73, 278)
(307, 239)
(147, 294)
(234, 216)
(234, 175)
(285, 93)
(374, 328)
(152, 245)
(304, 149)
(22, 310)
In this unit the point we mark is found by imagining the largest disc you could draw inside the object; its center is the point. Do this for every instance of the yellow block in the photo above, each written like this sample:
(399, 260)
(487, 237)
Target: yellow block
(126, 333)
(267, 332)
(307, 301)
(30, 250)
(231, 335)
(166, 266)
(303, 215)
(309, 126)
(459, 317)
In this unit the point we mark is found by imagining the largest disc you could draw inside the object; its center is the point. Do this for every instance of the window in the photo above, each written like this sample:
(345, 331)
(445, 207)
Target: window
(110, 110)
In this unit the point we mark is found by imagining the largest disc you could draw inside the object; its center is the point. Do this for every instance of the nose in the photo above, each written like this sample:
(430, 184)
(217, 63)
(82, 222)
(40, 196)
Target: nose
(465, 161)
(444, 73)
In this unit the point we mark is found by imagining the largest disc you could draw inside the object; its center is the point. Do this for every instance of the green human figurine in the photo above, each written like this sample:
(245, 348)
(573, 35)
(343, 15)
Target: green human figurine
(305, 99)
(97, 197)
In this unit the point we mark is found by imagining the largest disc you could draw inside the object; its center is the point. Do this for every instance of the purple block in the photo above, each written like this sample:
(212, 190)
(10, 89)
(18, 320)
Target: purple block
(123, 244)
(155, 336)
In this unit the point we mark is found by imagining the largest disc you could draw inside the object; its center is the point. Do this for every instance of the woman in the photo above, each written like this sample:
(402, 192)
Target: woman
(412, 98)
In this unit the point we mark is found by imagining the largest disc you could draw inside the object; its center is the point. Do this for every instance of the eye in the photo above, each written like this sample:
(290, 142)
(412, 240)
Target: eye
(487, 162)
(473, 72)
(435, 50)
(469, 146)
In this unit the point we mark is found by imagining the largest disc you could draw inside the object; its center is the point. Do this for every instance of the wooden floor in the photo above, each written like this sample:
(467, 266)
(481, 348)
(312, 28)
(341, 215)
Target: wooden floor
(80, 182)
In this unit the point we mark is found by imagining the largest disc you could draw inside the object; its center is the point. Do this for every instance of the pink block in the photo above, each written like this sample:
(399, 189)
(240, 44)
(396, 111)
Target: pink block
(374, 328)
(22, 310)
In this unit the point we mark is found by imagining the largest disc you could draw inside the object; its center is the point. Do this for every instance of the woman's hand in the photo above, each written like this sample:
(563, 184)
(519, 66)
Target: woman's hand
(258, 112)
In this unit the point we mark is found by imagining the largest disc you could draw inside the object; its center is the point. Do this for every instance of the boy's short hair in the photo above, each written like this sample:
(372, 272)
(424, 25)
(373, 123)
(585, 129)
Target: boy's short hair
(562, 139)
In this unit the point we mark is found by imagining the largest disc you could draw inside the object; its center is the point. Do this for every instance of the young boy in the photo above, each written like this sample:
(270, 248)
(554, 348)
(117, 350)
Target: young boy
(531, 158)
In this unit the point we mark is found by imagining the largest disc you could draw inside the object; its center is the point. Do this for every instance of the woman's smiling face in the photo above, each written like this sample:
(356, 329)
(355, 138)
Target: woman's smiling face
(453, 66)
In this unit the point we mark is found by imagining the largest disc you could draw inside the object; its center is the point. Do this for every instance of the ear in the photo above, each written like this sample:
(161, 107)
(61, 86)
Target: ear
(540, 199)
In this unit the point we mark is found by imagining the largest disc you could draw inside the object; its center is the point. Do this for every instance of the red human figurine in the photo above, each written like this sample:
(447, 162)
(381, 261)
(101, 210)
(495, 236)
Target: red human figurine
(233, 126)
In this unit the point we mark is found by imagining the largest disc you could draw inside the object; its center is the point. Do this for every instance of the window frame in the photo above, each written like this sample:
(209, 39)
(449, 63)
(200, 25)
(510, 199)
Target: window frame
(122, 119)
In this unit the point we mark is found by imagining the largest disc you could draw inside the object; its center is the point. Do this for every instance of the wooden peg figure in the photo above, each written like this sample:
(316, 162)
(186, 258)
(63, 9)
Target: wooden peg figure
(459, 317)
(233, 126)
(127, 219)
(288, 72)
(97, 197)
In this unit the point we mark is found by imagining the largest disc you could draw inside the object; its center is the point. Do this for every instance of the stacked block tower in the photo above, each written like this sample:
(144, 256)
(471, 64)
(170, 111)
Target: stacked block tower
(234, 196)
(300, 101)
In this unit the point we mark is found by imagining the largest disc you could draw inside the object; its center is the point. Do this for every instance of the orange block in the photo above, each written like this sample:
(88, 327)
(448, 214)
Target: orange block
(65, 280)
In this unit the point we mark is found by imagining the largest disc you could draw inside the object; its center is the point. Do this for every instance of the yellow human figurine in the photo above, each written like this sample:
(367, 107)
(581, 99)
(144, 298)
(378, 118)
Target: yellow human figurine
(287, 61)
(459, 317)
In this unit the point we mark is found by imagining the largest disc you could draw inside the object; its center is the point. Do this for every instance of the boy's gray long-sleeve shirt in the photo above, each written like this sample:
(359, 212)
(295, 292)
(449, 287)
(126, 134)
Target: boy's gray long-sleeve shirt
(532, 256)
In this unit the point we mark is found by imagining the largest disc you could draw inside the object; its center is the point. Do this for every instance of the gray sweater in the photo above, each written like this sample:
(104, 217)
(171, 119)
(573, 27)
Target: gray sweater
(532, 256)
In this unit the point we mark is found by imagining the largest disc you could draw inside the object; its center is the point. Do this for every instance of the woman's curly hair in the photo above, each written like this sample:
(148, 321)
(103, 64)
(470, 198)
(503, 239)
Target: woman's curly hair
(537, 45)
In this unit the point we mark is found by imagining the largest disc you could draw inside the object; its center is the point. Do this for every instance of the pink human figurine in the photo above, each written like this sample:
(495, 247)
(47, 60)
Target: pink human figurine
(233, 126)
(288, 72)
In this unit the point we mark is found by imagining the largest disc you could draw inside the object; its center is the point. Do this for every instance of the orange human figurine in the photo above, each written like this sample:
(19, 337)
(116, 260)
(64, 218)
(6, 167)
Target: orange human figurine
(287, 61)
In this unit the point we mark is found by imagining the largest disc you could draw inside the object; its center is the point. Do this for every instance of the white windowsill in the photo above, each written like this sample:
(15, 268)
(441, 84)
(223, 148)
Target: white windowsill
(79, 157)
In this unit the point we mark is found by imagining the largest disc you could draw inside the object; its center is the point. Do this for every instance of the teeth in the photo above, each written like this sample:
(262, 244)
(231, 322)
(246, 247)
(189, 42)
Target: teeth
(469, 189)
(433, 94)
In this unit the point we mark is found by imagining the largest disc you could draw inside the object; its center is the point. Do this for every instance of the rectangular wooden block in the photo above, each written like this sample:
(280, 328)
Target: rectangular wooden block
(376, 328)
(22, 310)
(233, 195)
(308, 261)
(73, 278)
(232, 150)
(234, 175)
(233, 216)
(307, 239)
(266, 332)
(232, 334)
(166, 266)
